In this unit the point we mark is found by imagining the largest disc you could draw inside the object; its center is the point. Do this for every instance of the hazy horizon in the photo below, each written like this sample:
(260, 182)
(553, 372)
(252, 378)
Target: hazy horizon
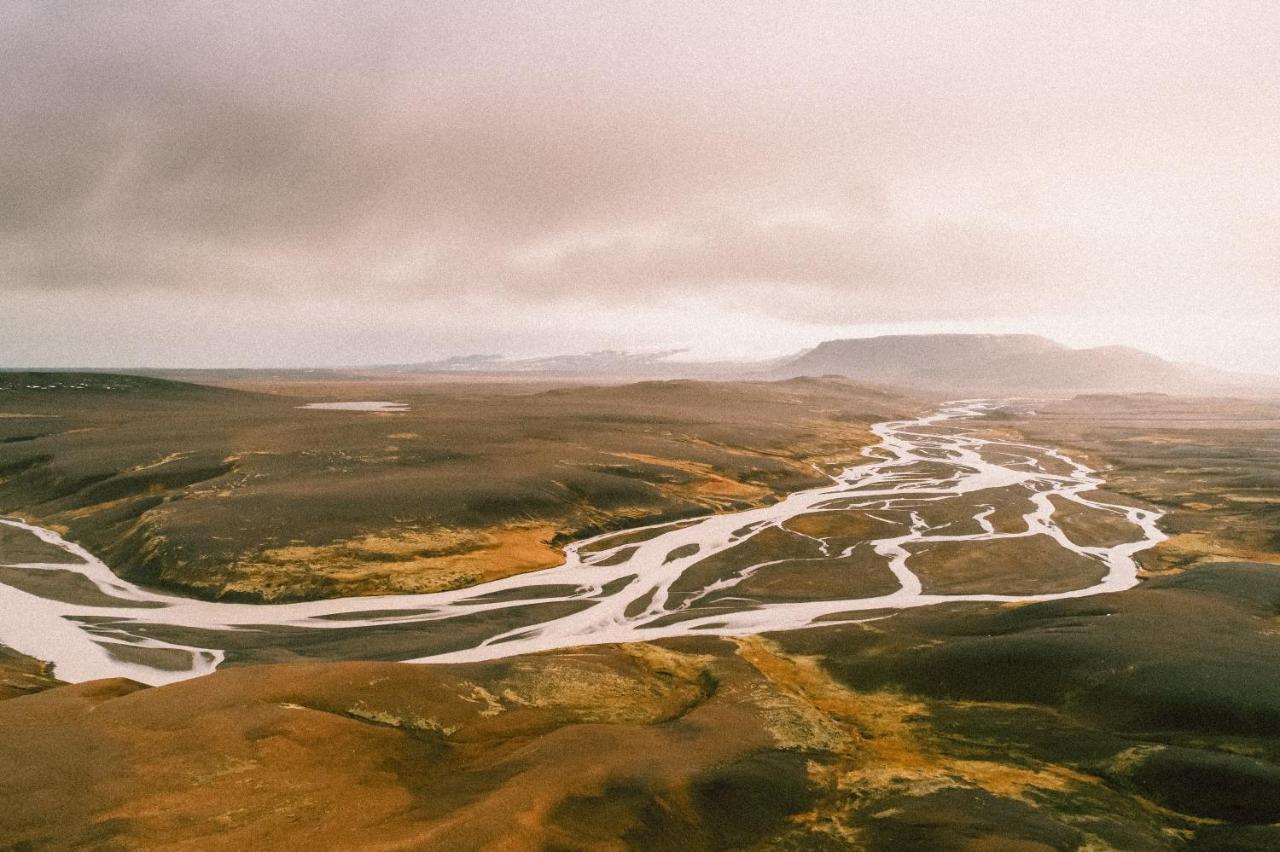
(281, 185)
(606, 361)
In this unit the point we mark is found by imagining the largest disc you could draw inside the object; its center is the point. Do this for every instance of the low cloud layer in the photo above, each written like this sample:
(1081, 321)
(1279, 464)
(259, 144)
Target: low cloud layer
(234, 183)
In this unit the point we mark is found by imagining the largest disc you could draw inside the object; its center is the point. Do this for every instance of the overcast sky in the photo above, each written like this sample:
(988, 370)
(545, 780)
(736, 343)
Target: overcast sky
(250, 183)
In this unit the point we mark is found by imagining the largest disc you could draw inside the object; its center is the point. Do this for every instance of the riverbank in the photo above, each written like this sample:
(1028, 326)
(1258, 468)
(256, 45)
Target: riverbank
(240, 495)
(930, 483)
(1076, 724)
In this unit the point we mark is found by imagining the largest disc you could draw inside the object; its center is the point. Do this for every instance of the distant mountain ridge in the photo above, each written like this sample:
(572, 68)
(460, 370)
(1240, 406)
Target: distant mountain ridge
(952, 364)
(1010, 363)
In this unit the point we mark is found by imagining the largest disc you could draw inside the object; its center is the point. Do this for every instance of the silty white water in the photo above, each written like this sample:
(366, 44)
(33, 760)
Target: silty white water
(625, 589)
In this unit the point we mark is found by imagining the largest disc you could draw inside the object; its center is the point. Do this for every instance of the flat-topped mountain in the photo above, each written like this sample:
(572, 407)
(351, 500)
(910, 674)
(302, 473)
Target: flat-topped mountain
(1008, 363)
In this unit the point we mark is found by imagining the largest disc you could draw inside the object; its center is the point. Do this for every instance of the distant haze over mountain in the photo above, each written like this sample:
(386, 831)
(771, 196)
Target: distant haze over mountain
(969, 364)
(1009, 363)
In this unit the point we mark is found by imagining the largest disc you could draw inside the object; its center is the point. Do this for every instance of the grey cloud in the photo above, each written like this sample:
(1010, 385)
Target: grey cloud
(901, 268)
(818, 161)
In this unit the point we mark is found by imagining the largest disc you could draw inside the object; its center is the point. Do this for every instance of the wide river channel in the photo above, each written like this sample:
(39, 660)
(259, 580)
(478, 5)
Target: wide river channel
(675, 579)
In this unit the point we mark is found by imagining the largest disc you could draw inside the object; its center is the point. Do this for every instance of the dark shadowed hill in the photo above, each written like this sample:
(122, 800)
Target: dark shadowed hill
(64, 385)
(1007, 363)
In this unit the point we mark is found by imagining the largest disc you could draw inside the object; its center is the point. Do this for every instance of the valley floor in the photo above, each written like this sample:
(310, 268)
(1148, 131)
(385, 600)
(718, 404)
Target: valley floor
(1139, 719)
